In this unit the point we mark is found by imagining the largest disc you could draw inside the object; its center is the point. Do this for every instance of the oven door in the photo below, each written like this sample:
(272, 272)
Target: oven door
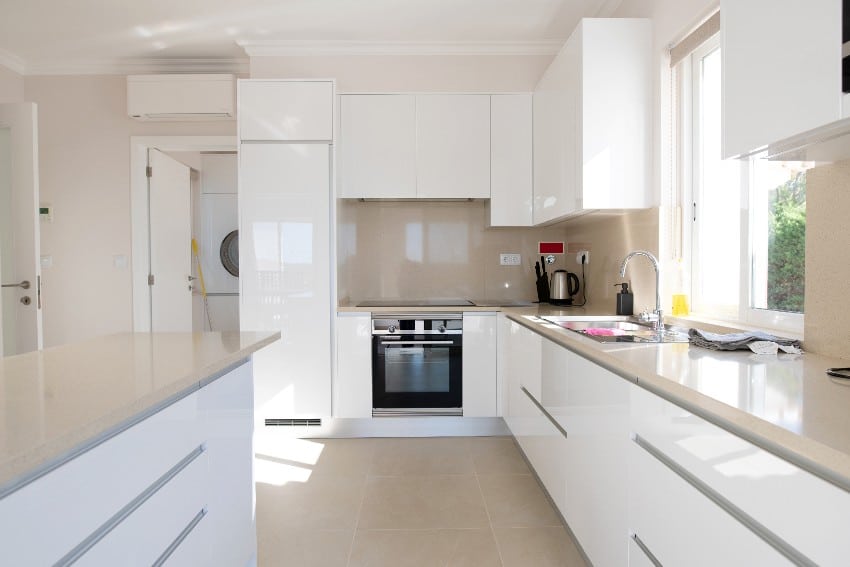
(417, 374)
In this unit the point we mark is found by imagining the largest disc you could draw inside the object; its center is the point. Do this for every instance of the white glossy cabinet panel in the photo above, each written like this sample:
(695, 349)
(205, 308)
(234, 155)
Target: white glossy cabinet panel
(680, 526)
(227, 406)
(353, 379)
(592, 110)
(95, 485)
(378, 146)
(453, 146)
(781, 70)
(159, 473)
(284, 261)
(511, 190)
(799, 508)
(285, 110)
(519, 360)
(592, 405)
(480, 384)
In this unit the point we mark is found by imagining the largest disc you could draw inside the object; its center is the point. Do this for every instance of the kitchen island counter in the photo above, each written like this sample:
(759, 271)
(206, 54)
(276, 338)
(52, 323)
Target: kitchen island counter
(59, 402)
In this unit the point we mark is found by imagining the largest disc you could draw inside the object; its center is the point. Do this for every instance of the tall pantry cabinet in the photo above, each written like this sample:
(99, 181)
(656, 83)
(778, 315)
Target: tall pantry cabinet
(285, 159)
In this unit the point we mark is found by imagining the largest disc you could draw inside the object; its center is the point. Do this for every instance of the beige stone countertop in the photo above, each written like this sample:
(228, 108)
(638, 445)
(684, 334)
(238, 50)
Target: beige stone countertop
(58, 401)
(783, 403)
(480, 305)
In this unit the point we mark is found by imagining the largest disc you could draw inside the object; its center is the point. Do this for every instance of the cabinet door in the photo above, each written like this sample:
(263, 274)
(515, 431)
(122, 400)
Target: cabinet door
(284, 260)
(680, 526)
(453, 146)
(556, 133)
(480, 388)
(519, 360)
(511, 190)
(781, 70)
(592, 405)
(353, 384)
(377, 146)
(285, 110)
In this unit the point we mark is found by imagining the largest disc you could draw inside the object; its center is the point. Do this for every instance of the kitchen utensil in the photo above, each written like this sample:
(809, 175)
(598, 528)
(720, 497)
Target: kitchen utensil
(563, 287)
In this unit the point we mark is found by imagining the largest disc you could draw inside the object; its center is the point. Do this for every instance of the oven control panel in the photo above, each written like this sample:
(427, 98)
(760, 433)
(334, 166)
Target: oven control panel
(432, 324)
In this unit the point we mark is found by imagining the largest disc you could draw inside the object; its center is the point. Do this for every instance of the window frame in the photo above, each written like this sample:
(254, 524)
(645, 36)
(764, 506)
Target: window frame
(687, 78)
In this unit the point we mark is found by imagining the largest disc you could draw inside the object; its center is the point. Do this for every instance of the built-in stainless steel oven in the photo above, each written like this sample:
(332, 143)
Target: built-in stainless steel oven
(417, 362)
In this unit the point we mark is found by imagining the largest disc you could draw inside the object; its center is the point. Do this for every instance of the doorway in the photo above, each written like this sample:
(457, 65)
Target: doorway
(144, 231)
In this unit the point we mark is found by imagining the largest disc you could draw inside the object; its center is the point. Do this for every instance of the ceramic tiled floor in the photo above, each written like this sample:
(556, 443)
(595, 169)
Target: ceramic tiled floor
(461, 501)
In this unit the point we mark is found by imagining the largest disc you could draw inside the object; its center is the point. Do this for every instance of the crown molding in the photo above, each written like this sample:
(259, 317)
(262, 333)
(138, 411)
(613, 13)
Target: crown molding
(289, 48)
(139, 66)
(12, 61)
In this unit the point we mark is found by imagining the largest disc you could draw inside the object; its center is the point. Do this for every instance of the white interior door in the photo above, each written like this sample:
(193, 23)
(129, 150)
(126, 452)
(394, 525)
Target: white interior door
(170, 212)
(20, 308)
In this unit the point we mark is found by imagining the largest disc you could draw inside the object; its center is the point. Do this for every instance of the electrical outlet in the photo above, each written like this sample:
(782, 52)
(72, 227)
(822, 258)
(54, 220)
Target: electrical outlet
(585, 254)
(510, 259)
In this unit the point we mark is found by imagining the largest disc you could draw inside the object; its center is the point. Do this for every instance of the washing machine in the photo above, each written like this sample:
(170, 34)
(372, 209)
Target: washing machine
(219, 245)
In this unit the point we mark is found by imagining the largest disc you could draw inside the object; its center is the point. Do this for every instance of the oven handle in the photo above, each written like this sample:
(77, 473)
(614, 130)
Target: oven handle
(417, 342)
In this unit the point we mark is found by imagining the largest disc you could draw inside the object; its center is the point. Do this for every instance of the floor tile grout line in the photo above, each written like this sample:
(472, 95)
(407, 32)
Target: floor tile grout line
(489, 518)
(360, 509)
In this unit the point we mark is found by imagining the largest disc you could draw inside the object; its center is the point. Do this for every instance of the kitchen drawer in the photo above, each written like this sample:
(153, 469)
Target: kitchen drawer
(678, 525)
(806, 512)
(160, 525)
(48, 517)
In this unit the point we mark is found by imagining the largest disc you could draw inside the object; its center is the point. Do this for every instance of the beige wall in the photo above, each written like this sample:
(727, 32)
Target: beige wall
(11, 86)
(434, 250)
(84, 164)
(828, 260)
(387, 73)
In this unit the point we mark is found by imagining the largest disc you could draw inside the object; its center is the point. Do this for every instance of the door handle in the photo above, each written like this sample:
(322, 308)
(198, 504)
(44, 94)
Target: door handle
(24, 284)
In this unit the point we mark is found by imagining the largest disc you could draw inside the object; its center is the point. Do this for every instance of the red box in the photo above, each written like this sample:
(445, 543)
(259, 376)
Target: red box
(550, 248)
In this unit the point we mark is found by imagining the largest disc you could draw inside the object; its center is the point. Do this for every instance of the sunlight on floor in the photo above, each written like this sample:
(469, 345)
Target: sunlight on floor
(279, 460)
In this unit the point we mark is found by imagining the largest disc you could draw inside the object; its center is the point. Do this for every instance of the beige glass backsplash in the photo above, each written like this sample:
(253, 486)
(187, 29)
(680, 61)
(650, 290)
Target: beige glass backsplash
(417, 249)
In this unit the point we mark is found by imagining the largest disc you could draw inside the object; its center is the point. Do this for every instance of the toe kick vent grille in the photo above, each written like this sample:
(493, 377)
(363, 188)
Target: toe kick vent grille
(294, 422)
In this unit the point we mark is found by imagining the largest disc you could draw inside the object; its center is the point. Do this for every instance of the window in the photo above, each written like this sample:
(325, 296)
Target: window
(743, 231)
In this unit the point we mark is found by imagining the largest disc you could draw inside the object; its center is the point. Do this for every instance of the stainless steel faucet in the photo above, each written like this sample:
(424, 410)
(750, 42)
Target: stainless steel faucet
(659, 325)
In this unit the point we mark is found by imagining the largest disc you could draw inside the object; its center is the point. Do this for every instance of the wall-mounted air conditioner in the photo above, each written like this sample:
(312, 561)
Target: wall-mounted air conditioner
(181, 98)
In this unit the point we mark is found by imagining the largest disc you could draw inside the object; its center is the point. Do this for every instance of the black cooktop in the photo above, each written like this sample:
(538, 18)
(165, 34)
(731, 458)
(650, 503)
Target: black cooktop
(416, 303)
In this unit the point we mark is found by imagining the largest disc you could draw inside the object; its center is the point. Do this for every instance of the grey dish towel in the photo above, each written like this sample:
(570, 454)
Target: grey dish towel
(734, 341)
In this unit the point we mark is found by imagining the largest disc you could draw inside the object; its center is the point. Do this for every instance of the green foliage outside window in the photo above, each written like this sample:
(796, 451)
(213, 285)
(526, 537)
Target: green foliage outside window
(787, 245)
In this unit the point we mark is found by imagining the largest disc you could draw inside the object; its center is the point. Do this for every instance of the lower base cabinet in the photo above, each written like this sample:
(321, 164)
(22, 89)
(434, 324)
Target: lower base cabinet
(176, 488)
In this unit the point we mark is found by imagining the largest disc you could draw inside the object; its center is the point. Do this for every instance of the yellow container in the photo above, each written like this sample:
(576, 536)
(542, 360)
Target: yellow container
(680, 304)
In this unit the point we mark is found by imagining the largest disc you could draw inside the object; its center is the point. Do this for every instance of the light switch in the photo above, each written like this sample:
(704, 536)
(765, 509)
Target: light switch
(47, 261)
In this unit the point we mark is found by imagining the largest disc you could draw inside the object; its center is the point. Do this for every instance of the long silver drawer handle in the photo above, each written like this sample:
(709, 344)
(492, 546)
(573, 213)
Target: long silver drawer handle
(548, 415)
(649, 555)
(770, 538)
(417, 342)
(179, 539)
(122, 514)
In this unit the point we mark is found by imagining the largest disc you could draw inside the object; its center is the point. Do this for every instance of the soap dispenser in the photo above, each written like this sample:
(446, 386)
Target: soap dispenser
(625, 300)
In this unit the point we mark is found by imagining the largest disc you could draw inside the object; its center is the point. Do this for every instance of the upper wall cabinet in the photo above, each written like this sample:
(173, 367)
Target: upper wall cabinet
(285, 110)
(511, 173)
(781, 70)
(378, 146)
(453, 146)
(592, 130)
(415, 146)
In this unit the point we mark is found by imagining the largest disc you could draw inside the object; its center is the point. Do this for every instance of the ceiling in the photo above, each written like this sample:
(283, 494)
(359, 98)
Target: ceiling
(60, 36)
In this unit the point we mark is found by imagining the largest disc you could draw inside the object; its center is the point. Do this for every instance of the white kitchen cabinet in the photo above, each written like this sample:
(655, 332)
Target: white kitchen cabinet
(511, 175)
(480, 383)
(680, 526)
(453, 146)
(378, 146)
(592, 406)
(415, 146)
(353, 383)
(293, 111)
(519, 361)
(131, 497)
(284, 261)
(781, 70)
(798, 508)
(592, 122)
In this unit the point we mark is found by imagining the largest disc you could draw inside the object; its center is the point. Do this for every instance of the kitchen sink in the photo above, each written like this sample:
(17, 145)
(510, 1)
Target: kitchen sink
(621, 329)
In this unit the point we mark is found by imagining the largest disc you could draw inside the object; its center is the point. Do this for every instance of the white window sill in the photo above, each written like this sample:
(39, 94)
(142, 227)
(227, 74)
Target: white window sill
(711, 325)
